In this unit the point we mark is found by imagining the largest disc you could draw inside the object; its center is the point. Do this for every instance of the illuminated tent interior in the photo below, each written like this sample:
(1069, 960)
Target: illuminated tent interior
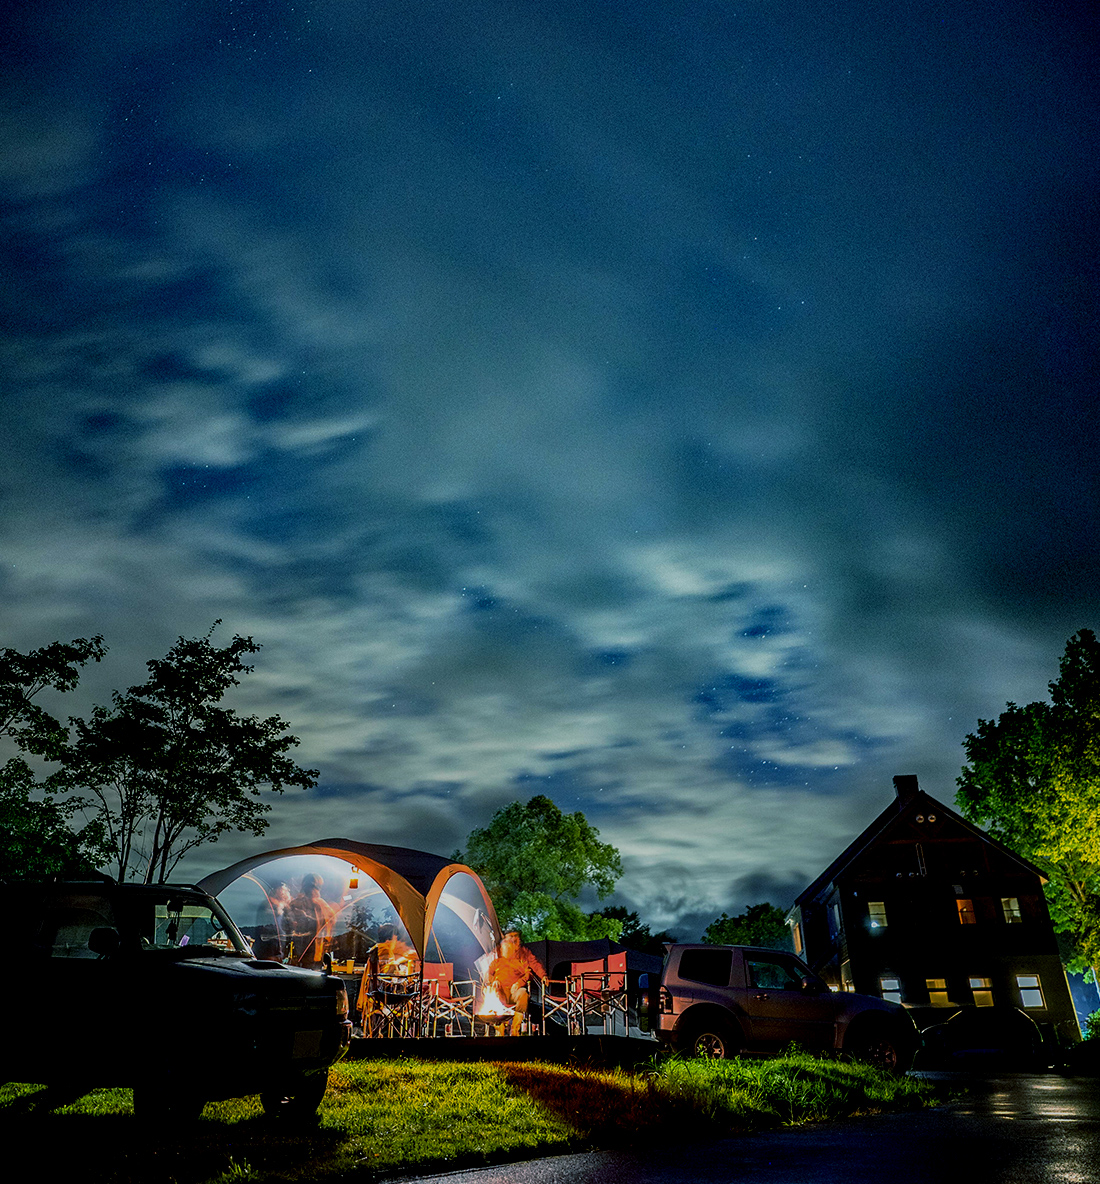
(437, 907)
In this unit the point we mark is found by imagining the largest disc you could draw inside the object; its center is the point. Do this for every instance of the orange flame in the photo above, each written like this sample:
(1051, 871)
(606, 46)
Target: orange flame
(492, 1004)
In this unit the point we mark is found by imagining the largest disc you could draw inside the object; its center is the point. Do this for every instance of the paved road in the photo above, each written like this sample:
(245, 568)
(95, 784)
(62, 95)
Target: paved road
(1017, 1129)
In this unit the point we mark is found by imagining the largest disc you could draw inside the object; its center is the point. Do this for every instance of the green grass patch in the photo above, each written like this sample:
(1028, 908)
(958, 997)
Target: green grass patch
(382, 1118)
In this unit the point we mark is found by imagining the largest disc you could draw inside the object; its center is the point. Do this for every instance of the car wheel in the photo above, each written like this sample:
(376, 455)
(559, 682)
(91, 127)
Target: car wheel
(878, 1048)
(711, 1038)
(298, 1099)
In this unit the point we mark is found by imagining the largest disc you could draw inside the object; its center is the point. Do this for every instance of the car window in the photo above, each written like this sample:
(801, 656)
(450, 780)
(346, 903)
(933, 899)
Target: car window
(707, 966)
(173, 921)
(774, 973)
(66, 924)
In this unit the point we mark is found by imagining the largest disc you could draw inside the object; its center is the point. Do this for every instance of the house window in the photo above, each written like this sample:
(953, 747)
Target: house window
(967, 916)
(1031, 993)
(796, 934)
(876, 911)
(891, 988)
(982, 989)
(1011, 907)
(937, 992)
(834, 920)
(846, 983)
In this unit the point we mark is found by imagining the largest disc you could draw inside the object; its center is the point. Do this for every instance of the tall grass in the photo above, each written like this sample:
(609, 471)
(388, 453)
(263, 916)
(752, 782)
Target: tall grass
(384, 1118)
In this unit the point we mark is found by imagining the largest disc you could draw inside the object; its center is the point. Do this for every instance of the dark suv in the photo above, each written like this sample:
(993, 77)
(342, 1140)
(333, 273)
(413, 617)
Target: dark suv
(722, 1000)
(152, 986)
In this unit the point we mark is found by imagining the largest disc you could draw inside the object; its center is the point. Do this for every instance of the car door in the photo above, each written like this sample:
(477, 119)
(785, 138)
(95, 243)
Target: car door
(781, 1009)
(91, 1030)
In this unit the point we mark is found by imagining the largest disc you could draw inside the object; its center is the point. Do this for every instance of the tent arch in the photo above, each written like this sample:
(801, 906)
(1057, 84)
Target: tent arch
(413, 881)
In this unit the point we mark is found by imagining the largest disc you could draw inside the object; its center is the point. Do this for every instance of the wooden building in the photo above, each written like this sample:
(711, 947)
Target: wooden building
(928, 910)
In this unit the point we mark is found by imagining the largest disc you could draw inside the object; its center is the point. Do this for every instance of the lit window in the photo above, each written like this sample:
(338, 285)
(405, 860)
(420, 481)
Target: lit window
(937, 992)
(796, 933)
(1031, 994)
(1011, 907)
(891, 988)
(846, 983)
(967, 916)
(876, 910)
(982, 989)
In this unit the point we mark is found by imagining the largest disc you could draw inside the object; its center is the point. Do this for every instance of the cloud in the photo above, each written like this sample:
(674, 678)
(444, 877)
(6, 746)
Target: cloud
(684, 429)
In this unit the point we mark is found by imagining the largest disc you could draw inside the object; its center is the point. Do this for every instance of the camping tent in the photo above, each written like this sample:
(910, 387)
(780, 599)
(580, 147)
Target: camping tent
(439, 907)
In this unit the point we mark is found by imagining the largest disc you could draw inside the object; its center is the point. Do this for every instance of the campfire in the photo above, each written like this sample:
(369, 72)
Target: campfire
(493, 1009)
(398, 965)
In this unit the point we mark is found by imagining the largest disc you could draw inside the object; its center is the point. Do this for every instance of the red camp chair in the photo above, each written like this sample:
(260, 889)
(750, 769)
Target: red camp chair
(561, 1005)
(600, 989)
(435, 994)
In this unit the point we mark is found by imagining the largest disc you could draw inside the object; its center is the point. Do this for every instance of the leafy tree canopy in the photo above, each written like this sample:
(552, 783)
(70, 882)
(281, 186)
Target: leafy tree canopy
(759, 925)
(167, 768)
(535, 861)
(635, 934)
(24, 676)
(1032, 779)
(36, 837)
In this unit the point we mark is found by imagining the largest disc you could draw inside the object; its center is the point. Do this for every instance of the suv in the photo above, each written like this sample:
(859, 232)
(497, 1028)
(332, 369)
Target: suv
(721, 1000)
(153, 986)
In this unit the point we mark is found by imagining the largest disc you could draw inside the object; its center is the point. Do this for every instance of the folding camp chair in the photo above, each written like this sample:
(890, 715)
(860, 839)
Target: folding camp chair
(448, 1005)
(391, 1005)
(560, 1006)
(435, 984)
(600, 990)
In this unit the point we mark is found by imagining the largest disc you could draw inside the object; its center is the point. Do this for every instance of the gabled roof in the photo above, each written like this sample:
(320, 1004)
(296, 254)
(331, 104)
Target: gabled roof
(907, 795)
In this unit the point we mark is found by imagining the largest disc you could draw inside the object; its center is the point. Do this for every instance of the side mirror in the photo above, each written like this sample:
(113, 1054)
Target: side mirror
(811, 986)
(103, 941)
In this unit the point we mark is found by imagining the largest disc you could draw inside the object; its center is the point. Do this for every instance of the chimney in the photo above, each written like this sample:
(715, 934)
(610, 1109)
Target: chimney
(906, 787)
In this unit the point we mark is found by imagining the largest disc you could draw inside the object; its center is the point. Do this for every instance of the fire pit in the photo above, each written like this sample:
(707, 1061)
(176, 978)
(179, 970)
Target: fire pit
(492, 1011)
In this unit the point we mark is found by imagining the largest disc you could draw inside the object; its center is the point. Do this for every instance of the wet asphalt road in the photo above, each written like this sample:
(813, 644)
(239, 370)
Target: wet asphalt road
(1016, 1129)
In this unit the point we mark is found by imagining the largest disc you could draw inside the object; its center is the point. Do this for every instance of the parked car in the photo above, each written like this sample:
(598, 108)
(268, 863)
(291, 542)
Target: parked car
(723, 1000)
(1001, 1036)
(153, 987)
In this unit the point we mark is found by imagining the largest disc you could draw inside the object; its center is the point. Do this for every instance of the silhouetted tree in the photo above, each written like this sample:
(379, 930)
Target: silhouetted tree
(169, 769)
(36, 833)
(759, 925)
(635, 934)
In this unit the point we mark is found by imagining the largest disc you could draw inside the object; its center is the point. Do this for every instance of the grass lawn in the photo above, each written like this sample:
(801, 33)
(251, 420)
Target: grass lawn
(383, 1118)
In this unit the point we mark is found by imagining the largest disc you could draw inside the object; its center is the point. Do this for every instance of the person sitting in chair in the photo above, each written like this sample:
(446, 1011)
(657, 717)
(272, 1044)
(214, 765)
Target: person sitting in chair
(510, 974)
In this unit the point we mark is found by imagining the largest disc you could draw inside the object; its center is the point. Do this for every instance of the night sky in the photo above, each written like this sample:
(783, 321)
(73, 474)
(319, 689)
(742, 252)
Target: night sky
(682, 409)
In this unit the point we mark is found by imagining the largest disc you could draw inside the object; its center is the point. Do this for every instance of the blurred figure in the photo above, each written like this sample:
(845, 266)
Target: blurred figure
(310, 918)
(391, 954)
(510, 974)
(271, 922)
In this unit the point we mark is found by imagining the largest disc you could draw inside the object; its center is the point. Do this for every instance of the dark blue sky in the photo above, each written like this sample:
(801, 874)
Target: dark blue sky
(683, 409)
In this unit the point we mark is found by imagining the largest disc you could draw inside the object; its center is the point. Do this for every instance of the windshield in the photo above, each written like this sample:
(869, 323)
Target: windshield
(173, 920)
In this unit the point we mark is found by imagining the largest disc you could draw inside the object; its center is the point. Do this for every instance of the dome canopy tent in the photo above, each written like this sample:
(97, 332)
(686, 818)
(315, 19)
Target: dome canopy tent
(436, 901)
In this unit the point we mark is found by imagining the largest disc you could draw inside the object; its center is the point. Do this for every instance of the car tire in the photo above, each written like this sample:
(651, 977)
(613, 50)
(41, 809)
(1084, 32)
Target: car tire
(298, 1099)
(713, 1038)
(877, 1046)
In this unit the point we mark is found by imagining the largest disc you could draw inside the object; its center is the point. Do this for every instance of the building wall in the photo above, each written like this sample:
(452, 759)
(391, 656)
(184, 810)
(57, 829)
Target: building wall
(892, 917)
